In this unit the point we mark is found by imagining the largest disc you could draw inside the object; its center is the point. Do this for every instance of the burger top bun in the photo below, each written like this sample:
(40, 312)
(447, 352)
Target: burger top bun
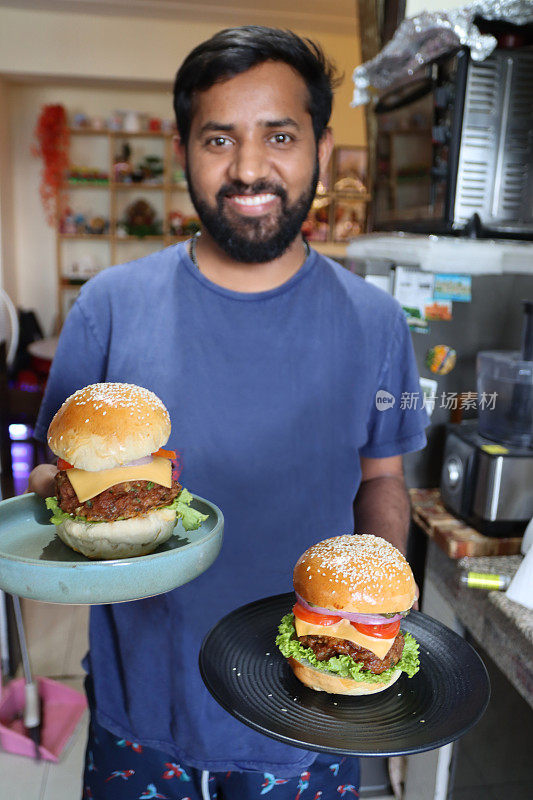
(107, 425)
(361, 573)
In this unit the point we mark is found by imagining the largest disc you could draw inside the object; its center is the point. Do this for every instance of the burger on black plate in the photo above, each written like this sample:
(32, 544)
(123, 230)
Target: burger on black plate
(344, 635)
(115, 493)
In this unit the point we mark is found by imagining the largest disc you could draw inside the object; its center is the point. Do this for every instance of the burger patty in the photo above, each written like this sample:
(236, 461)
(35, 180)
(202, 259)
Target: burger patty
(121, 501)
(325, 647)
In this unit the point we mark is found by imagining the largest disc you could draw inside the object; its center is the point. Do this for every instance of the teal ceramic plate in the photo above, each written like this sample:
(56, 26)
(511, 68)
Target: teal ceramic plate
(35, 563)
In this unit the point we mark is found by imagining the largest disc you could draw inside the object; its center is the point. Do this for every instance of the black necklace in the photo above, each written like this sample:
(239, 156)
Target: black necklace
(194, 259)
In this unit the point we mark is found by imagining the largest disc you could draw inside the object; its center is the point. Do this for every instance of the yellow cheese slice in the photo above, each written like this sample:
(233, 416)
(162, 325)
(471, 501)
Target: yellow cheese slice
(344, 630)
(88, 484)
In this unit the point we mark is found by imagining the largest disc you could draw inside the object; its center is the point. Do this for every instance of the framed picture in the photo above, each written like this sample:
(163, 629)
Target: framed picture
(349, 219)
(316, 226)
(350, 169)
(325, 179)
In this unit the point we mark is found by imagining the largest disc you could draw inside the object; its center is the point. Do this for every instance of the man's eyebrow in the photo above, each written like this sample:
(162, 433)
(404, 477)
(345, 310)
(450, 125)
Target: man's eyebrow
(286, 122)
(212, 126)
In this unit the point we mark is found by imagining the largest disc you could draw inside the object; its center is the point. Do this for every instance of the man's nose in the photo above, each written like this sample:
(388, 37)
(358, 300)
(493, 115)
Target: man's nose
(250, 163)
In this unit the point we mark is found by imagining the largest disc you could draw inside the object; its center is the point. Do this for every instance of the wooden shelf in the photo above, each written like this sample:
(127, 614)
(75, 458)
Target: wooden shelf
(104, 237)
(139, 186)
(153, 237)
(122, 134)
(85, 185)
(330, 249)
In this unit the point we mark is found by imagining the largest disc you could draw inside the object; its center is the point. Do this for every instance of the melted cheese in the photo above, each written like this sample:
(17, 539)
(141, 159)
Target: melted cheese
(344, 630)
(88, 484)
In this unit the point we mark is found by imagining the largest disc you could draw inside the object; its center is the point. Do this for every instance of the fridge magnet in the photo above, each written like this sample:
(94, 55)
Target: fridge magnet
(429, 391)
(350, 167)
(413, 289)
(441, 359)
(438, 310)
(453, 287)
(415, 320)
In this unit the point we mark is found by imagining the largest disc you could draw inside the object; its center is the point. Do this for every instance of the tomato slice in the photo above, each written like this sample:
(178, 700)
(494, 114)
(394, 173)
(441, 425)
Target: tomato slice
(165, 453)
(312, 617)
(387, 631)
(62, 464)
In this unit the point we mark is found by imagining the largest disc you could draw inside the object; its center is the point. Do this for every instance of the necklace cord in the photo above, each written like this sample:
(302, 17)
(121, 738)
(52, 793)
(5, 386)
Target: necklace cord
(194, 258)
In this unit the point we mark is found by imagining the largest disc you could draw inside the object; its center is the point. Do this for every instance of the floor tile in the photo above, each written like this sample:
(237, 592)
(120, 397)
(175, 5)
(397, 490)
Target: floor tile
(64, 780)
(21, 778)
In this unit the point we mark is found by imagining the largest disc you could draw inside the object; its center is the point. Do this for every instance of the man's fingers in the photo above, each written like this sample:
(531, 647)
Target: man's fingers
(41, 480)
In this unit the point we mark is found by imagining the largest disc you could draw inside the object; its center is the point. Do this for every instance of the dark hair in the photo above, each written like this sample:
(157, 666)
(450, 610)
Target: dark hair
(234, 50)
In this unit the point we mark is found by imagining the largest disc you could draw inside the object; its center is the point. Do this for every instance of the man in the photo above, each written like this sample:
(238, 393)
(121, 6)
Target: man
(269, 358)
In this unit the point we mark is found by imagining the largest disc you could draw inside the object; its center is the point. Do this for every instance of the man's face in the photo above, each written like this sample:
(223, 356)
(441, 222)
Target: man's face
(252, 161)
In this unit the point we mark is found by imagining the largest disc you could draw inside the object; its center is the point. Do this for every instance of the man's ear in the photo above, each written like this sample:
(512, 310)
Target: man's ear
(325, 149)
(180, 150)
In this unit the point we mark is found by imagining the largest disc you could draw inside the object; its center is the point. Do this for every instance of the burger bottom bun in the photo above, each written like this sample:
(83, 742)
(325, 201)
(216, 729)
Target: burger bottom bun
(124, 538)
(334, 684)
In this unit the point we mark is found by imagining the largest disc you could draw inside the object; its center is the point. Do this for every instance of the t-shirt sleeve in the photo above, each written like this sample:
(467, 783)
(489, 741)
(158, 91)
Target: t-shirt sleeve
(397, 417)
(80, 359)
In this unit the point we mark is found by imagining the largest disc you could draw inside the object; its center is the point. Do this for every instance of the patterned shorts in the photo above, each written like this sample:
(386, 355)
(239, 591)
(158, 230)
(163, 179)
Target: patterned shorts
(116, 769)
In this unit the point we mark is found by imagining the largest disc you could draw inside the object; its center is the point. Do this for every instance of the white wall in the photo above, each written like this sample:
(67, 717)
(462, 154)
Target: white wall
(79, 60)
(414, 7)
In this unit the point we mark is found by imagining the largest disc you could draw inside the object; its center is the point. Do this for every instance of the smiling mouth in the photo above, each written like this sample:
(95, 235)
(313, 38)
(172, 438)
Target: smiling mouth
(251, 201)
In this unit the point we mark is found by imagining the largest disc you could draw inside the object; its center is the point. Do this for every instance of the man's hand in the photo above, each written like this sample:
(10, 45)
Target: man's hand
(41, 480)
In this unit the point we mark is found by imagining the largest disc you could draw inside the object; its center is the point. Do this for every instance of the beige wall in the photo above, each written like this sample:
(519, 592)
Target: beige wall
(85, 62)
(414, 7)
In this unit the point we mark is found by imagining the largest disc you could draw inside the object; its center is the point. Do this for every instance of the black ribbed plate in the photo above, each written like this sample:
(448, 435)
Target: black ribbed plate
(245, 672)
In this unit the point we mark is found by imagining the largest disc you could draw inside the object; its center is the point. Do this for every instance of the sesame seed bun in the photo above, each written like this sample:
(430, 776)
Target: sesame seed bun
(107, 425)
(334, 684)
(362, 573)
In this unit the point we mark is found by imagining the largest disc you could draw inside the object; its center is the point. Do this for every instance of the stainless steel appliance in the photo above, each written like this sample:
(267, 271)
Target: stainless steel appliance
(455, 147)
(488, 485)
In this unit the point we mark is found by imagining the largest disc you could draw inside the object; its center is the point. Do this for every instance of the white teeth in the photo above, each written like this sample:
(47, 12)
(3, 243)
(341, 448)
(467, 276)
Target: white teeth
(255, 200)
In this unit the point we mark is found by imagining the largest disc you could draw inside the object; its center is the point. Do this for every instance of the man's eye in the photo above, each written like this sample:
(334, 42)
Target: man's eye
(218, 141)
(281, 138)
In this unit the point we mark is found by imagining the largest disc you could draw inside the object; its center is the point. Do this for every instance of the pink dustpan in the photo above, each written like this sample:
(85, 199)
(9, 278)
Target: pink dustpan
(62, 708)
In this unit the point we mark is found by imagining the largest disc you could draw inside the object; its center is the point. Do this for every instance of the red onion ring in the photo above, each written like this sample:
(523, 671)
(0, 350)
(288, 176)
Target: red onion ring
(364, 619)
(139, 462)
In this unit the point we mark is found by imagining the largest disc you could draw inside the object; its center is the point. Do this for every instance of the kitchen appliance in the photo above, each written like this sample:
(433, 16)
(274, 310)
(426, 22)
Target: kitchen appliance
(454, 148)
(507, 378)
(486, 484)
(491, 485)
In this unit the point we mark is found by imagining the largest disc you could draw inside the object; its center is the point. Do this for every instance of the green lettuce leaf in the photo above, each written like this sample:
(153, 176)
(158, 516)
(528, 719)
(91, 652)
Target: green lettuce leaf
(343, 665)
(190, 518)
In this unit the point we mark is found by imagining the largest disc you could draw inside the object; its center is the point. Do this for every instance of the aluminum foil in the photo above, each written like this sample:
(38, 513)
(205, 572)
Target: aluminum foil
(420, 40)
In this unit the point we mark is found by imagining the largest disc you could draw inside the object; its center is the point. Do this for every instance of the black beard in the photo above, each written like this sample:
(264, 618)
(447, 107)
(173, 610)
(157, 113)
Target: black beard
(252, 243)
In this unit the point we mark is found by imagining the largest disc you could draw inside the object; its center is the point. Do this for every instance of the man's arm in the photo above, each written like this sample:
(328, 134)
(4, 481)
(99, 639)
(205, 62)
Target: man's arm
(382, 504)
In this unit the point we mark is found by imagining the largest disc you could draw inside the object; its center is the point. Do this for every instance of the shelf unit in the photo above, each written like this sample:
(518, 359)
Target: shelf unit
(114, 188)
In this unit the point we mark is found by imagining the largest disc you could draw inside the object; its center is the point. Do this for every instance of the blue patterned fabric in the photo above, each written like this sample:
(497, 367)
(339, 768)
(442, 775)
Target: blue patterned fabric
(118, 769)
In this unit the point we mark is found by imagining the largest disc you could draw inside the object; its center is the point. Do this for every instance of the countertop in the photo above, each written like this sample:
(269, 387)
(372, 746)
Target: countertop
(502, 627)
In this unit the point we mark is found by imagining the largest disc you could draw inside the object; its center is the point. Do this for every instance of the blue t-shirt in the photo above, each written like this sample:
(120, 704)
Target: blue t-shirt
(272, 398)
